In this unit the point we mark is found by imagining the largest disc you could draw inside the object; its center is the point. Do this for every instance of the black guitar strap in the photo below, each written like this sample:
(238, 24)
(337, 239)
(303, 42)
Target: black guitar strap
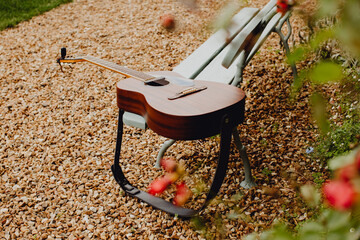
(159, 203)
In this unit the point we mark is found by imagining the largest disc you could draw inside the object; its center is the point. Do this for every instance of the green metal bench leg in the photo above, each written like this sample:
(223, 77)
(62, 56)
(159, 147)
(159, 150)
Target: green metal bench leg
(249, 181)
(162, 151)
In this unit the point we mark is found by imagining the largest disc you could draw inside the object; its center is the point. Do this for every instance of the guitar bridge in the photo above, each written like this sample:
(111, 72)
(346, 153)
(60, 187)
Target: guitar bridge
(187, 91)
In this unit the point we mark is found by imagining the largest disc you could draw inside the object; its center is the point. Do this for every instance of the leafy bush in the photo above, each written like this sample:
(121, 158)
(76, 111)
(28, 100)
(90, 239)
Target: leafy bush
(340, 140)
(341, 219)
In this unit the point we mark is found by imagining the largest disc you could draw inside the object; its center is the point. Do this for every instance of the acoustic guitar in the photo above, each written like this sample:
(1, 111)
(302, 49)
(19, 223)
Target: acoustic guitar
(173, 106)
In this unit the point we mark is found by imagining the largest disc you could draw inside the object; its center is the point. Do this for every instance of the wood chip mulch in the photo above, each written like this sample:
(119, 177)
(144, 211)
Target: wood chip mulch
(58, 129)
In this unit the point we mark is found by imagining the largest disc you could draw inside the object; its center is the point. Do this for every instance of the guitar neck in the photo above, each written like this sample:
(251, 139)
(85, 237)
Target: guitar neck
(113, 67)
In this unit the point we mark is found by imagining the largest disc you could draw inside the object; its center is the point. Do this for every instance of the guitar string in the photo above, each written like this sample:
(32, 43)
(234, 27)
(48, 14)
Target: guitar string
(130, 72)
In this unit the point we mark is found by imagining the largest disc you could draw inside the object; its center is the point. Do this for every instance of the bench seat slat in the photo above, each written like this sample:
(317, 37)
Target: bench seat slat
(215, 72)
(134, 120)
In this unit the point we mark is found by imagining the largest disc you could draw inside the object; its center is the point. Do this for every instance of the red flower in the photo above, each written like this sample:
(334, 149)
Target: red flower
(159, 185)
(183, 193)
(167, 21)
(347, 173)
(284, 5)
(339, 194)
(168, 164)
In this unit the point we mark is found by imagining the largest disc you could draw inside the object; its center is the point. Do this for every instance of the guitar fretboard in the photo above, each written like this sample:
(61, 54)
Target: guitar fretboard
(120, 69)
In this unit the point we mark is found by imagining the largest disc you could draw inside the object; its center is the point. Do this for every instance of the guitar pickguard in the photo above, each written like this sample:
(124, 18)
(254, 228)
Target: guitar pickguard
(181, 81)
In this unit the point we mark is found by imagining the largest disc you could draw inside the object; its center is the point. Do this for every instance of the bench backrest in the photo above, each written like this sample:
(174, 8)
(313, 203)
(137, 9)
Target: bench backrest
(214, 60)
(202, 56)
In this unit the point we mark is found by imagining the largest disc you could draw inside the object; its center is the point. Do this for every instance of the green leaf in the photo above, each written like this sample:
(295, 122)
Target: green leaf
(311, 230)
(328, 8)
(320, 37)
(325, 72)
(310, 195)
(319, 112)
(198, 223)
(298, 54)
(299, 80)
(348, 30)
(223, 20)
(252, 236)
(279, 232)
(338, 221)
(342, 160)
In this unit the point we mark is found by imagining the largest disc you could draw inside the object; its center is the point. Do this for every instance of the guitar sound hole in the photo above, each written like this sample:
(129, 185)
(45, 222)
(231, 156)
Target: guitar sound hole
(158, 83)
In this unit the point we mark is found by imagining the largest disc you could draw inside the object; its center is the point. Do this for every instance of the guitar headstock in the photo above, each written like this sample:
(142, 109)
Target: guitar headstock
(64, 59)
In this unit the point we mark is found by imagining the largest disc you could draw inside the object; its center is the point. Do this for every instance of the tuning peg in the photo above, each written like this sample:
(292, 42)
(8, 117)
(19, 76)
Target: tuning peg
(63, 53)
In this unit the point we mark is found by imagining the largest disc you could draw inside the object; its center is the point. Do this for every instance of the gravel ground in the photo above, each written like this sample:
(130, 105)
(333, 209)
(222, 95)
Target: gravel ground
(58, 129)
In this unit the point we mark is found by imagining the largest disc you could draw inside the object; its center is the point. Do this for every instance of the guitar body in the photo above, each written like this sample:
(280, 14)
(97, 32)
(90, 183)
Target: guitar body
(193, 116)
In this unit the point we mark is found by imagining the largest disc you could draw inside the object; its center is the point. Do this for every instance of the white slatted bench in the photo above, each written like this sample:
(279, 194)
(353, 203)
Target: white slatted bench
(223, 57)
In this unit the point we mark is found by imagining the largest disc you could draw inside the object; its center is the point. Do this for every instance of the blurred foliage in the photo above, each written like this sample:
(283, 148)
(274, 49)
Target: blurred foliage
(343, 35)
(332, 50)
(319, 112)
(334, 44)
(223, 19)
(330, 224)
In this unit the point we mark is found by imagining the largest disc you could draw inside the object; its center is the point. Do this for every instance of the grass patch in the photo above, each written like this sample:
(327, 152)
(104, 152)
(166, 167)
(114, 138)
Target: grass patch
(13, 12)
(340, 140)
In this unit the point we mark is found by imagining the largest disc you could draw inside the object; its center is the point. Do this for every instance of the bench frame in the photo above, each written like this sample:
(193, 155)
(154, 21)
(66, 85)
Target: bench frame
(242, 61)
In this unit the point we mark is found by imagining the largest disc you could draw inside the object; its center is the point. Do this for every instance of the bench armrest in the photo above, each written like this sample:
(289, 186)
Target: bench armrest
(281, 23)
